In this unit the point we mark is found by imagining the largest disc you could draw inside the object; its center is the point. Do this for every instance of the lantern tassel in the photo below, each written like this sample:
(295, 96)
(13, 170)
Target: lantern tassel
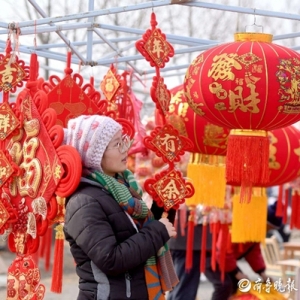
(250, 219)
(56, 284)
(206, 172)
(247, 160)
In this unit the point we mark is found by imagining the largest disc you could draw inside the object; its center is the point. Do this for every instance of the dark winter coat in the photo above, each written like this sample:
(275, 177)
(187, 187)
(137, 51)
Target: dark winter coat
(109, 253)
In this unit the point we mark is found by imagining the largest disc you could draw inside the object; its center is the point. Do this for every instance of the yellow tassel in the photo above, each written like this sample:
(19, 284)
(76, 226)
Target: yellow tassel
(207, 173)
(249, 219)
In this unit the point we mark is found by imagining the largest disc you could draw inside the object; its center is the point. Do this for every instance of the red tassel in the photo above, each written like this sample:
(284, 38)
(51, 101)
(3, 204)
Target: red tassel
(215, 231)
(247, 160)
(190, 242)
(286, 205)
(294, 210)
(297, 212)
(279, 206)
(223, 249)
(203, 248)
(183, 220)
(56, 284)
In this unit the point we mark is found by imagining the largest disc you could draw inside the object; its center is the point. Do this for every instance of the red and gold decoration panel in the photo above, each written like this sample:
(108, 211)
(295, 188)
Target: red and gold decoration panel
(13, 71)
(169, 189)
(167, 143)
(154, 46)
(23, 281)
(110, 84)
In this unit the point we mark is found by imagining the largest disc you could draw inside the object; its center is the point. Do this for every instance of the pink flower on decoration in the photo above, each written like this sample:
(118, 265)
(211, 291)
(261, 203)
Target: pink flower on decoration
(86, 146)
(95, 125)
(79, 134)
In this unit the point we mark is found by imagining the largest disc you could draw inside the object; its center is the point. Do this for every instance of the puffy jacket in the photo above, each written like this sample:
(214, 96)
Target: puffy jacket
(109, 253)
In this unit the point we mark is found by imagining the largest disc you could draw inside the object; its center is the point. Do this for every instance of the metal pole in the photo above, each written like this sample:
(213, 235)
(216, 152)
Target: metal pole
(60, 34)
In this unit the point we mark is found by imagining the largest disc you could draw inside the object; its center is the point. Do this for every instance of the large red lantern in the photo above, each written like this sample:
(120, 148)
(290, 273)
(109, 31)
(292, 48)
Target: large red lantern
(250, 86)
(284, 155)
(206, 168)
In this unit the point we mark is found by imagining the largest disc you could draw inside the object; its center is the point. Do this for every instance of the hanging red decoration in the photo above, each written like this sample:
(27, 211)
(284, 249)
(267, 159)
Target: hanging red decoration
(206, 168)
(38, 168)
(154, 46)
(169, 189)
(250, 86)
(167, 143)
(110, 84)
(69, 97)
(13, 71)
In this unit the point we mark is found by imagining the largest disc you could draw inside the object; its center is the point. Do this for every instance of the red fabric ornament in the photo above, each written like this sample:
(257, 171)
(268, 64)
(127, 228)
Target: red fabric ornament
(69, 97)
(12, 71)
(23, 280)
(41, 171)
(169, 189)
(154, 47)
(249, 86)
(167, 143)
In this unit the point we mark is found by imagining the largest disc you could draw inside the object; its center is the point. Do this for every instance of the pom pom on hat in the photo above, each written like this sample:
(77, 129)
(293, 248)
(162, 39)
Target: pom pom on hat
(90, 135)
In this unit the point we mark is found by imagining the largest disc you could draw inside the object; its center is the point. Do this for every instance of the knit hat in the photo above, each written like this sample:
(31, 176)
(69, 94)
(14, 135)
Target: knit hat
(272, 219)
(90, 135)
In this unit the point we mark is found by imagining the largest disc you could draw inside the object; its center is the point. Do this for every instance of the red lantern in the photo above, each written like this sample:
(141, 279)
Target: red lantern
(249, 86)
(207, 162)
(284, 157)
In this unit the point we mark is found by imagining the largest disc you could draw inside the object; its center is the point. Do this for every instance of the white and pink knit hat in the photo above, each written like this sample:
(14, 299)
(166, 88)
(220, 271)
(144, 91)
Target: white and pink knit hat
(90, 135)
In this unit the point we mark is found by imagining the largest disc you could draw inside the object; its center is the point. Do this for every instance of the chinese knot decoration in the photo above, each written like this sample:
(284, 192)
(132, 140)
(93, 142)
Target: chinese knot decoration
(206, 167)
(70, 98)
(157, 51)
(168, 188)
(35, 169)
(250, 86)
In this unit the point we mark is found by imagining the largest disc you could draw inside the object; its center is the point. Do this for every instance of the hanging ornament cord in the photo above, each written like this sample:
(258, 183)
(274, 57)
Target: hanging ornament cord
(247, 160)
